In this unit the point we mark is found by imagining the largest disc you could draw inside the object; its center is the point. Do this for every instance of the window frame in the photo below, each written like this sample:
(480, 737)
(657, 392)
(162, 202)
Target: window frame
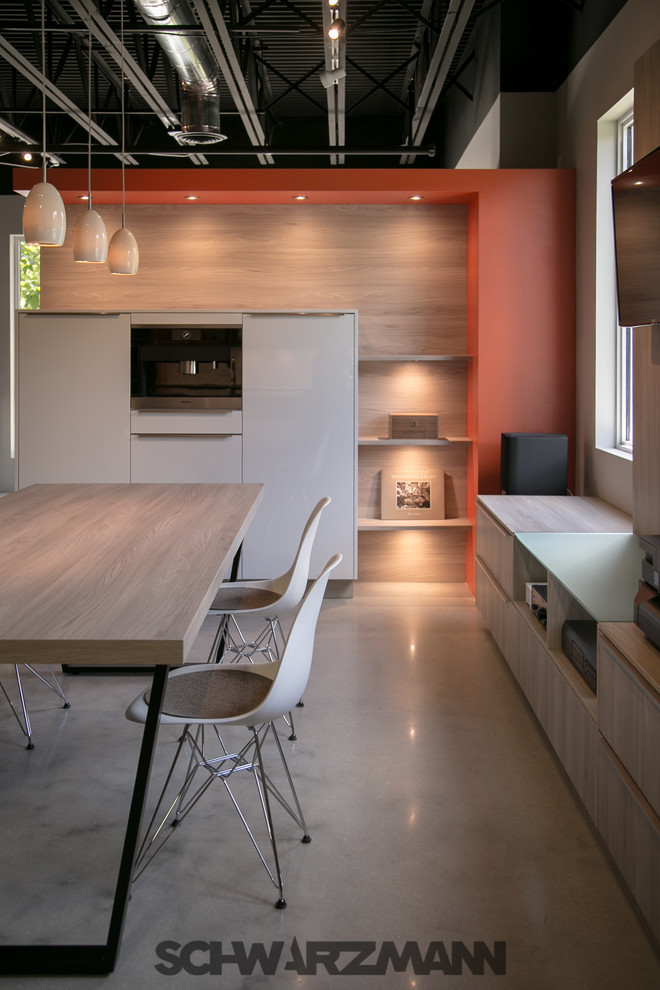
(625, 140)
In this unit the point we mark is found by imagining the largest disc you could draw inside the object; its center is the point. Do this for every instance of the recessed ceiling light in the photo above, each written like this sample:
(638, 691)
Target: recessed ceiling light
(84, 197)
(416, 198)
(299, 196)
(191, 198)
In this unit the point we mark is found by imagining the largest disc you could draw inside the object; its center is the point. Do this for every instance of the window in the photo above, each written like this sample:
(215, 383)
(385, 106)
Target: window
(624, 357)
(25, 292)
(29, 269)
(613, 345)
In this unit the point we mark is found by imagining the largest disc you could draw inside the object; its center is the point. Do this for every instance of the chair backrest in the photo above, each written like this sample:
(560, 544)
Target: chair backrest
(292, 585)
(294, 667)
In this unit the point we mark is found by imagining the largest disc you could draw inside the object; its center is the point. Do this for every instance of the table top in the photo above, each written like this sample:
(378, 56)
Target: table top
(114, 574)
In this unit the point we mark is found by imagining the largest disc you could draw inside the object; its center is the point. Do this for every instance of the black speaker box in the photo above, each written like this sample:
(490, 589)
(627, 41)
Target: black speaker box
(534, 464)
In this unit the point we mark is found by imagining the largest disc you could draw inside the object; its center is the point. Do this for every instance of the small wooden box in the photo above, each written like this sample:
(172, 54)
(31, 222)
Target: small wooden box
(413, 426)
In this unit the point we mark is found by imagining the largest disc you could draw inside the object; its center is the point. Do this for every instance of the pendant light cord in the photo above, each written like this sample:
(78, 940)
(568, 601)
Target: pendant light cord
(89, 116)
(43, 86)
(123, 128)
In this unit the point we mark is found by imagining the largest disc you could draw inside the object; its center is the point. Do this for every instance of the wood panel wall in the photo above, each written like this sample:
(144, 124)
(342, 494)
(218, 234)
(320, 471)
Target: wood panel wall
(646, 340)
(401, 267)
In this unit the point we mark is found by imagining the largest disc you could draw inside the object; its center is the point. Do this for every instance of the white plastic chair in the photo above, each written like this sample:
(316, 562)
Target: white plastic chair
(206, 698)
(53, 685)
(270, 599)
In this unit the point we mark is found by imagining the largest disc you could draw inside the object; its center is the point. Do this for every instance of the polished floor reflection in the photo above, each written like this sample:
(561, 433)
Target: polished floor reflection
(445, 837)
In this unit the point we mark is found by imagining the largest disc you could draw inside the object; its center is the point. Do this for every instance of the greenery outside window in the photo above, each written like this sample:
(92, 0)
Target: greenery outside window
(29, 276)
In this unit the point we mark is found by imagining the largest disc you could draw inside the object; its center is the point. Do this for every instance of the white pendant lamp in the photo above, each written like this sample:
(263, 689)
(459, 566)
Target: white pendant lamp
(44, 218)
(90, 240)
(123, 253)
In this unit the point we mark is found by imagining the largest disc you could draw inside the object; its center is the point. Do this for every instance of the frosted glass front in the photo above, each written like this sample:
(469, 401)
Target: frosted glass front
(600, 570)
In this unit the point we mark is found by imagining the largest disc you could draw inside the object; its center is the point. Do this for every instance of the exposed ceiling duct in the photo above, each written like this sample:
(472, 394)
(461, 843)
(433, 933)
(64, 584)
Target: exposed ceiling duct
(194, 64)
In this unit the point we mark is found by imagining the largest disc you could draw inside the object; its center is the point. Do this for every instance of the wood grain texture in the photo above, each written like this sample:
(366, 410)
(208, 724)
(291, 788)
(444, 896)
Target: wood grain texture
(647, 102)
(646, 351)
(439, 388)
(646, 420)
(449, 460)
(637, 649)
(632, 833)
(412, 555)
(629, 719)
(495, 609)
(495, 548)
(555, 514)
(114, 574)
(404, 268)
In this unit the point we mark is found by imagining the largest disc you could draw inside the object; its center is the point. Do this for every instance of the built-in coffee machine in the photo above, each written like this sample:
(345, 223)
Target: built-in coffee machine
(186, 367)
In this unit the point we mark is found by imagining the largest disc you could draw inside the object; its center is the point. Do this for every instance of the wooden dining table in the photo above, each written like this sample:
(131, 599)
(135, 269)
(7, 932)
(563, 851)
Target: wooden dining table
(112, 575)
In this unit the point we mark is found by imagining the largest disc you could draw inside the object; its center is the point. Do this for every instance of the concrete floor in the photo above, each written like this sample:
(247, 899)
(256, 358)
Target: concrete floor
(441, 823)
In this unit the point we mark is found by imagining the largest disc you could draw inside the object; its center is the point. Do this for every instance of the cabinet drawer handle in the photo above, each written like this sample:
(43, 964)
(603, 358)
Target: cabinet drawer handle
(184, 436)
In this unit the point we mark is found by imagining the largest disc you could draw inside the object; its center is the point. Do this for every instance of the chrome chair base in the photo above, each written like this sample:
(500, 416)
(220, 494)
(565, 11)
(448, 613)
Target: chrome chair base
(225, 766)
(52, 684)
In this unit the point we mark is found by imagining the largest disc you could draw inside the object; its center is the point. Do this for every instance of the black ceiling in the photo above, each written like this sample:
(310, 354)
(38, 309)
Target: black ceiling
(400, 57)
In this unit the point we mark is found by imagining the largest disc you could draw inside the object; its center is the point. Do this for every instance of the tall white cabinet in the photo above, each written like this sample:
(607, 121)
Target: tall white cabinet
(296, 433)
(299, 433)
(73, 398)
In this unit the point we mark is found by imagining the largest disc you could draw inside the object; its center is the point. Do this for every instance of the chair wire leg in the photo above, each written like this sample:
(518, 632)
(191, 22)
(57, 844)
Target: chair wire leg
(24, 726)
(301, 818)
(55, 686)
(259, 772)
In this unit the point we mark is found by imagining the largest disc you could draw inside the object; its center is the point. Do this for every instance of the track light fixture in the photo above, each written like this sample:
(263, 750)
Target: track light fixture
(336, 29)
(329, 77)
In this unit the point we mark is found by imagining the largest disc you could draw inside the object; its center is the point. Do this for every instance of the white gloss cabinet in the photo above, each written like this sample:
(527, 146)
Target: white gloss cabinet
(299, 431)
(73, 398)
(202, 459)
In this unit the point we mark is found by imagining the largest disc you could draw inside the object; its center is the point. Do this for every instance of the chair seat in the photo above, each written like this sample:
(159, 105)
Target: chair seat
(219, 692)
(239, 599)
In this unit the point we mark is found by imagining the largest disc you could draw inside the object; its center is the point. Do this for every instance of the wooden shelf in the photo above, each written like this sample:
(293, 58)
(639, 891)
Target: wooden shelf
(388, 442)
(428, 382)
(414, 357)
(394, 524)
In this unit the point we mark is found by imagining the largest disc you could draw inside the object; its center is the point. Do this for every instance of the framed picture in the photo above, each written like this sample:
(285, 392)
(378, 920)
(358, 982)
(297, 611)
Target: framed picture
(412, 495)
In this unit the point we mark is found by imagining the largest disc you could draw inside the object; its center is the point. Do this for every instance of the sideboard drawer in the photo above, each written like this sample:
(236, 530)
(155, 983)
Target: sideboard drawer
(495, 549)
(631, 831)
(629, 719)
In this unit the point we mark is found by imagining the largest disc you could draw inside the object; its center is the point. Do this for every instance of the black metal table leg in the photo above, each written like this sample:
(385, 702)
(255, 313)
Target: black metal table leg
(98, 959)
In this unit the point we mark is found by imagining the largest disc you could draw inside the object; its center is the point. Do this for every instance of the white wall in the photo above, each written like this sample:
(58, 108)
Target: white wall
(517, 132)
(600, 80)
(11, 210)
(483, 151)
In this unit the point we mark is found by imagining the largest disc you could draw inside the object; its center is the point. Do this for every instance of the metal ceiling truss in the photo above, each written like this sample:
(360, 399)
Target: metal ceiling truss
(280, 76)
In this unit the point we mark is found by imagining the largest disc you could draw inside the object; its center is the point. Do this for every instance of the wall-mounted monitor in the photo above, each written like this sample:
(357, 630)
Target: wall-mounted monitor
(534, 464)
(636, 205)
